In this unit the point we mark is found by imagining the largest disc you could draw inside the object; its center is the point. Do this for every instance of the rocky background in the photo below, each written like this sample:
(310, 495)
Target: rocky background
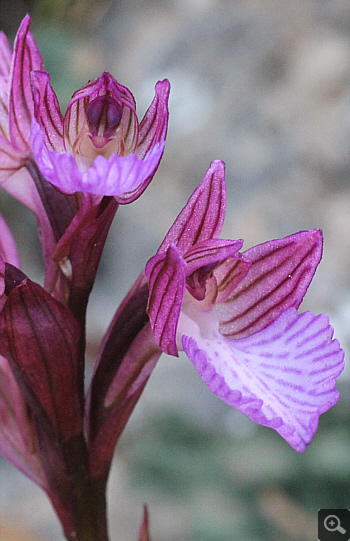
(263, 85)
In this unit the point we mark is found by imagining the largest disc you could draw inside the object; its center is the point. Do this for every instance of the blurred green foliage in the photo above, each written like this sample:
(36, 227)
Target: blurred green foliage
(223, 480)
(74, 14)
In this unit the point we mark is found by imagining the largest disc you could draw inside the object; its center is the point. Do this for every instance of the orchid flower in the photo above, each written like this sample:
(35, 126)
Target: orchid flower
(235, 316)
(99, 147)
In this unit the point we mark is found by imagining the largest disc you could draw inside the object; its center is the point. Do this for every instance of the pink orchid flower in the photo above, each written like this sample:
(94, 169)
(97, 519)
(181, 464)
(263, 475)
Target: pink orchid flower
(235, 316)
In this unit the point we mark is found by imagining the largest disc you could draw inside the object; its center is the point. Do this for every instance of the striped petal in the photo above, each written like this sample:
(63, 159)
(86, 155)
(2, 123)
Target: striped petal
(153, 127)
(47, 111)
(210, 252)
(26, 58)
(204, 213)
(280, 274)
(166, 276)
(5, 56)
(282, 377)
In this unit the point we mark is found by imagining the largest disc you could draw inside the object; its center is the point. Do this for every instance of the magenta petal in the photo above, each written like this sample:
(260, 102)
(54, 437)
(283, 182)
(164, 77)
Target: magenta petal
(210, 252)
(166, 275)
(120, 175)
(278, 279)
(229, 273)
(26, 58)
(282, 377)
(47, 111)
(153, 127)
(204, 213)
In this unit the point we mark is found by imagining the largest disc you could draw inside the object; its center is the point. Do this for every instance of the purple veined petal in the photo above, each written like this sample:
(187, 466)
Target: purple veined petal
(209, 252)
(204, 213)
(47, 111)
(8, 248)
(26, 58)
(75, 119)
(153, 127)
(17, 441)
(282, 377)
(5, 56)
(166, 274)
(280, 274)
(229, 274)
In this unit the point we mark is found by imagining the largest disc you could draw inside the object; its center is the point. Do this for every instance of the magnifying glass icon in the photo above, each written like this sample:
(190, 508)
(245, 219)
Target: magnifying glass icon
(332, 524)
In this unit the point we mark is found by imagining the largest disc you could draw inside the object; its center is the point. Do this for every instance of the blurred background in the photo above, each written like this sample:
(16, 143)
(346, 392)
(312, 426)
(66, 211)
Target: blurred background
(263, 85)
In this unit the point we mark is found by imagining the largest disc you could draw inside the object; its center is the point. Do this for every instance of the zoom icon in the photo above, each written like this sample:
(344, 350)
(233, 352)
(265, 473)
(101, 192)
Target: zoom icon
(334, 525)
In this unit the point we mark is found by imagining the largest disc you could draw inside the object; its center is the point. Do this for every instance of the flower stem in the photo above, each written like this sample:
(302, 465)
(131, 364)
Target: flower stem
(78, 301)
(88, 498)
